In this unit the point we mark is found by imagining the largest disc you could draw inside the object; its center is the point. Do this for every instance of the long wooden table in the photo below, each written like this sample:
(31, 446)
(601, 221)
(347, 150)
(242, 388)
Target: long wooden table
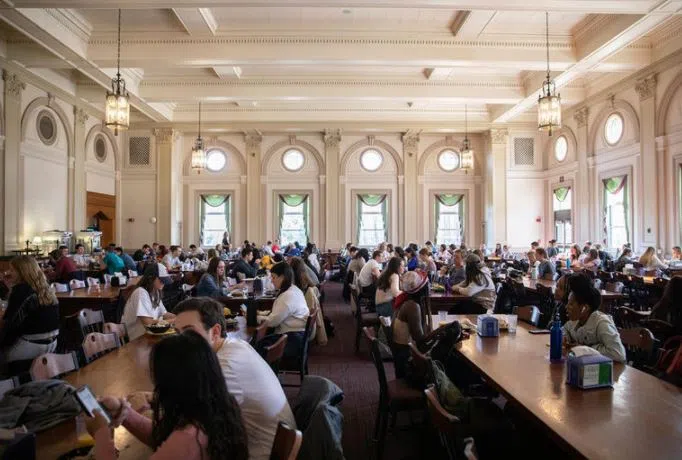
(119, 373)
(91, 297)
(639, 418)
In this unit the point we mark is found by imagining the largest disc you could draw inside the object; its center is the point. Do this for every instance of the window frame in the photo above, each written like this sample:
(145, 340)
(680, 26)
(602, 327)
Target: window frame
(556, 155)
(202, 215)
(368, 150)
(290, 151)
(605, 127)
(212, 151)
(461, 217)
(568, 236)
(305, 213)
(457, 154)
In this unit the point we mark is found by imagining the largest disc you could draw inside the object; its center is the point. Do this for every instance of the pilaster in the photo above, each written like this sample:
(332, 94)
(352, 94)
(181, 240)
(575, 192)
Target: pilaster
(164, 196)
(581, 192)
(77, 177)
(13, 188)
(496, 231)
(333, 217)
(653, 188)
(255, 204)
(410, 156)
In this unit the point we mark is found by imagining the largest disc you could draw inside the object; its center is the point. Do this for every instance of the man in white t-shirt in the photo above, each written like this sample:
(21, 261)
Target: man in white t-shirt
(172, 259)
(248, 377)
(371, 270)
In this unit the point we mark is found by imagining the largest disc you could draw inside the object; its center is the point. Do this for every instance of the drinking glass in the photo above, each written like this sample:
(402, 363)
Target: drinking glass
(512, 322)
(442, 316)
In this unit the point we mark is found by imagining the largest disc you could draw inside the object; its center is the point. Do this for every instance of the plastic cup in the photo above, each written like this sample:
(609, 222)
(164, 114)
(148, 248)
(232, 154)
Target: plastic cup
(442, 316)
(512, 321)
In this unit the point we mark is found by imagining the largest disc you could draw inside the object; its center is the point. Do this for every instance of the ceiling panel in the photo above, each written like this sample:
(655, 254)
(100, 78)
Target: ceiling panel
(158, 20)
(532, 23)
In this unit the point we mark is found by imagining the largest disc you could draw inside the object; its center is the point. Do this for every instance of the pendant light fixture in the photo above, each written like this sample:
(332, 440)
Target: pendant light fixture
(467, 155)
(198, 153)
(118, 99)
(549, 102)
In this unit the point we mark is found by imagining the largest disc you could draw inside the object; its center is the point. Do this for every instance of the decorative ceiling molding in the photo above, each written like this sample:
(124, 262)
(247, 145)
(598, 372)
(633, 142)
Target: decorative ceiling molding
(511, 83)
(73, 21)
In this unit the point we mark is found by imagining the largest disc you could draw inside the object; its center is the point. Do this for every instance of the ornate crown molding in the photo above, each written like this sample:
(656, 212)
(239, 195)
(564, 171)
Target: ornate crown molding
(332, 138)
(646, 87)
(81, 115)
(580, 116)
(499, 136)
(13, 85)
(498, 83)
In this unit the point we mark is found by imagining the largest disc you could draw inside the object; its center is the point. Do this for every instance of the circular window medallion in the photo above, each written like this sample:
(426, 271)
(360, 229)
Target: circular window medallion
(448, 160)
(100, 149)
(47, 127)
(215, 160)
(613, 129)
(371, 160)
(561, 148)
(293, 160)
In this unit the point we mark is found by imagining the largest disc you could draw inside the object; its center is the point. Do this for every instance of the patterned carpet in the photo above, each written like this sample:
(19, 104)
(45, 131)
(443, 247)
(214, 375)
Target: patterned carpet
(357, 377)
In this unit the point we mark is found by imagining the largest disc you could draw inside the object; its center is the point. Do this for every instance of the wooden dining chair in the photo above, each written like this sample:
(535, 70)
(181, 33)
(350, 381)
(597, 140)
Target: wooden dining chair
(362, 319)
(52, 365)
(120, 330)
(448, 427)
(662, 330)
(547, 304)
(529, 314)
(91, 321)
(394, 395)
(640, 346)
(299, 364)
(627, 318)
(97, 344)
(123, 296)
(287, 443)
(274, 353)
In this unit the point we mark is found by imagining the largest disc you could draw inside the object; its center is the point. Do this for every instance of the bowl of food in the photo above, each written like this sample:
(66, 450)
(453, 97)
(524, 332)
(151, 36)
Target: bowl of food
(227, 313)
(159, 327)
(231, 322)
(237, 294)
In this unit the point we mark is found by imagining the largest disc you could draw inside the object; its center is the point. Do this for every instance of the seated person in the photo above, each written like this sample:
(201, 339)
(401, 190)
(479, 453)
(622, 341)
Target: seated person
(506, 254)
(293, 251)
(275, 247)
(64, 266)
(443, 254)
(127, 260)
(30, 325)
(369, 274)
(546, 268)
(263, 405)
(677, 254)
(412, 260)
(650, 260)
(211, 282)
(243, 265)
(289, 311)
(455, 273)
(575, 257)
(533, 262)
(112, 262)
(298, 263)
(145, 306)
(586, 324)
(388, 286)
(359, 260)
(201, 420)
(407, 326)
(172, 259)
(552, 250)
(80, 257)
(478, 283)
(195, 251)
(592, 261)
(669, 308)
(624, 259)
(426, 260)
(311, 256)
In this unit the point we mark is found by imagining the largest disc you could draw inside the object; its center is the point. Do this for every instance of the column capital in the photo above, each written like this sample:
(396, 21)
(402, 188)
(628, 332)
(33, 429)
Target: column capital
(253, 141)
(80, 115)
(410, 142)
(13, 85)
(164, 135)
(646, 87)
(499, 136)
(332, 138)
(580, 116)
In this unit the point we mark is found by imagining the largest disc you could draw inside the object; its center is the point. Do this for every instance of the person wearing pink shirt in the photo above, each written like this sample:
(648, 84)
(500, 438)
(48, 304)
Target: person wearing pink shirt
(194, 415)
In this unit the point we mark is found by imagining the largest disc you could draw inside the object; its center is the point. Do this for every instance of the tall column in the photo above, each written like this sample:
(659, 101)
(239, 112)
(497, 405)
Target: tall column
(410, 154)
(321, 239)
(333, 217)
(401, 205)
(13, 191)
(653, 185)
(497, 225)
(581, 193)
(164, 189)
(255, 204)
(77, 177)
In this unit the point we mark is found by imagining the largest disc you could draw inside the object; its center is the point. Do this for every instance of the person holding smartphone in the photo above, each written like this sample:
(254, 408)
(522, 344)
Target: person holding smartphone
(194, 415)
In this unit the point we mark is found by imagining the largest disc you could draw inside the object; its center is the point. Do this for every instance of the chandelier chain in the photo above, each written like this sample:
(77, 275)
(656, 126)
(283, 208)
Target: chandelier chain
(547, 40)
(118, 60)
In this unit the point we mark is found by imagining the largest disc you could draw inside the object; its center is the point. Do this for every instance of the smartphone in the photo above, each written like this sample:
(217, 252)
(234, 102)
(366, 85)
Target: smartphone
(539, 331)
(89, 403)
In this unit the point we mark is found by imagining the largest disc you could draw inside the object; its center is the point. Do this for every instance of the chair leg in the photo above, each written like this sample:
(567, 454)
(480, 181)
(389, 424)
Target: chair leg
(357, 339)
(382, 436)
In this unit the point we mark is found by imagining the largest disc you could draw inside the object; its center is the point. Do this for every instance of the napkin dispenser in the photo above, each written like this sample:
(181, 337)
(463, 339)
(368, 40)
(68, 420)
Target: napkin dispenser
(487, 326)
(117, 281)
(589, 371)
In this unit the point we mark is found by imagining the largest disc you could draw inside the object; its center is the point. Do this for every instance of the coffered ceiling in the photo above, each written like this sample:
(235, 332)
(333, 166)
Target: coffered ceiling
(382, 63)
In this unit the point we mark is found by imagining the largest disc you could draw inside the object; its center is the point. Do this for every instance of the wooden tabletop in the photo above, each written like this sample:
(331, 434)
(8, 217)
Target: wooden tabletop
(639, 418)
(119, 373)
(96, 292)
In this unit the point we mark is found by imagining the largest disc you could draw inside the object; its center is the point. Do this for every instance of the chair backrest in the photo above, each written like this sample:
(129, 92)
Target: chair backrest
(261, 332)
(662, 330)
(287, 443)
(274, 353)
(443, 420)
(627, 318)
(91, 320)
(375, 352)
(639, 344)
(96, 344)
(92, 281)
(52, 365)
(107, 278)
(120, 330)
(76, 284)
(528, 313)
(59, 287)
(8, 384)
(132, 273)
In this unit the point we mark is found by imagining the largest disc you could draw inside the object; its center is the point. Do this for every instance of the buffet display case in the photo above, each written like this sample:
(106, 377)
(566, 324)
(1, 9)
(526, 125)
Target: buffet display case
(90, 239)
(52, 239)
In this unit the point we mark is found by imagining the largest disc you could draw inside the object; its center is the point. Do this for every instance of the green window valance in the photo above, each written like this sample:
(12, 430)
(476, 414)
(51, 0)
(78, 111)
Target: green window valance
(294, 199)
(561, 193)
(448, 199)
(371, 199)
(214, 200)
(614, 185)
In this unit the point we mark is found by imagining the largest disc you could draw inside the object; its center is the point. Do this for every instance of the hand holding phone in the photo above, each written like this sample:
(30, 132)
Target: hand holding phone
(90, 404)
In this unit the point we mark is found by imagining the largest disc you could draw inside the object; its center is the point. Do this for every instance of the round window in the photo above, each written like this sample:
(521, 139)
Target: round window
(47, 127)
(613, 129)
(293, 160)
(448, 160)
(215, 160)
(561, 148)
(100, 149)
(371, 160)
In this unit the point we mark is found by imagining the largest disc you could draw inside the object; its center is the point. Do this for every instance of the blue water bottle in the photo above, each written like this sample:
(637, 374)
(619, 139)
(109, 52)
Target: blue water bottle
(568, 262)
(555, 339)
